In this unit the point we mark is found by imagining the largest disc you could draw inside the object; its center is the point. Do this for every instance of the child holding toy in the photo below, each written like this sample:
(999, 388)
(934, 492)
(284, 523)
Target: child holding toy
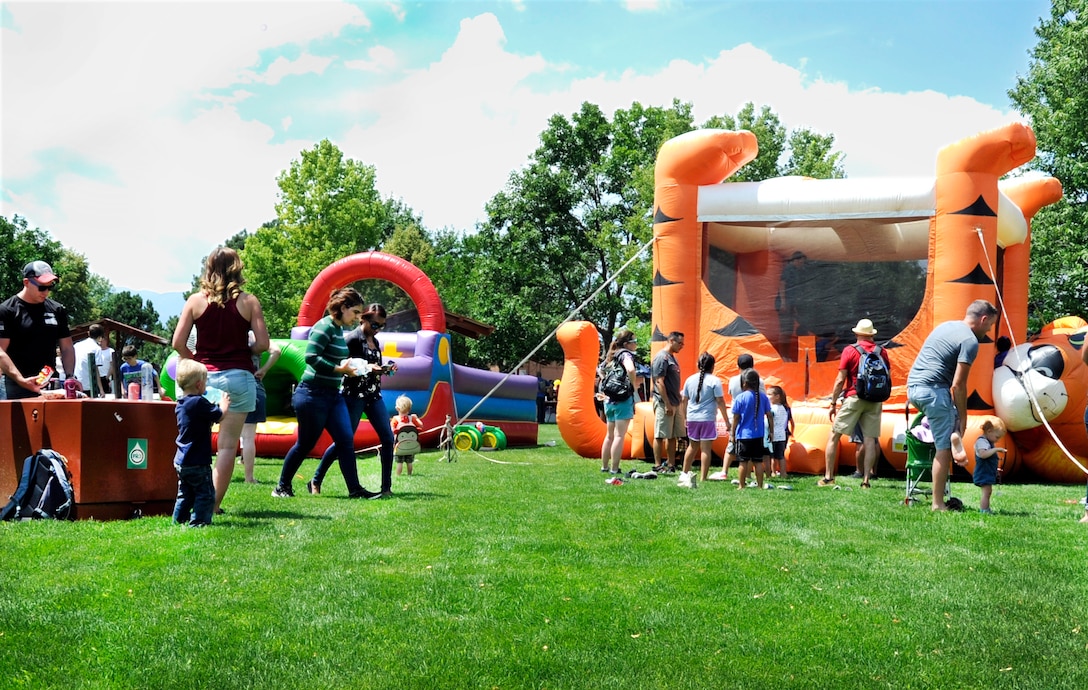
(193, 459)
(986, 469)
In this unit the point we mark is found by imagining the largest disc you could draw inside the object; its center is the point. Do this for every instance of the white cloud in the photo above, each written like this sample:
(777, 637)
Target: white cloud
(282, 67)
(643, 5)
(115, 85)
(382, 59)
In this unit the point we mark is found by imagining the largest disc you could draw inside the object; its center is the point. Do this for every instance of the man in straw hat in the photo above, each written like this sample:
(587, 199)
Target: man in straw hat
(854, 411)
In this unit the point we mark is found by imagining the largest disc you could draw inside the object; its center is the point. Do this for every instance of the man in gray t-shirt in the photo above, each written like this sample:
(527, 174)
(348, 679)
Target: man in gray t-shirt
(937, 386)
(668, 418)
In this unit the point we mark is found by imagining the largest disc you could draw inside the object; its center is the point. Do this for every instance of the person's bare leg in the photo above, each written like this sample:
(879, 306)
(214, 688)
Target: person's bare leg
(831, 456)
(959, 453)
(942, 461)
(617, 443)
(249, 451)
(606, 447)
(230, 430)
(659, 452)
(871, 453)
(704, 459)
(984, 501)
(689, 456)
(743, 473)
(670, 452)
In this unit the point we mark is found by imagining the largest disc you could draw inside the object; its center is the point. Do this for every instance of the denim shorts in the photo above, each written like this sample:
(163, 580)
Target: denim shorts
(619, 411)
(260, 412)
(935, 402)
(239, 384)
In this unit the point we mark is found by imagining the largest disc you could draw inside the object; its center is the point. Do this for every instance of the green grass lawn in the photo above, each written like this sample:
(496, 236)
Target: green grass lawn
(523, 569)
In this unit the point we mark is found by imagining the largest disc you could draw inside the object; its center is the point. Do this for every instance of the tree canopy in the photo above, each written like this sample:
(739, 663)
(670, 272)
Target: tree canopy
(328, 208)
(1052, 95)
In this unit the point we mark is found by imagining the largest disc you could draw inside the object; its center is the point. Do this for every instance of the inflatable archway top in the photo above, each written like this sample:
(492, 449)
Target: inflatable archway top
(378, 266)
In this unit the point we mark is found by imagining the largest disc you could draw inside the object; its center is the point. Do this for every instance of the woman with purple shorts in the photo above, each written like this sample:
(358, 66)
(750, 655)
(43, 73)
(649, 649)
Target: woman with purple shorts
(702, 398)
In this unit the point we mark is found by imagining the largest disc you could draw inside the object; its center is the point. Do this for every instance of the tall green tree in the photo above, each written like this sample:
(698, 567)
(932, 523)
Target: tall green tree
(1054, 98)
(328, 208)
(566, 223)
(582, 207)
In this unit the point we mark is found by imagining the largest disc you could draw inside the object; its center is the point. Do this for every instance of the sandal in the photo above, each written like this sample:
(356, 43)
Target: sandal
(865, 485)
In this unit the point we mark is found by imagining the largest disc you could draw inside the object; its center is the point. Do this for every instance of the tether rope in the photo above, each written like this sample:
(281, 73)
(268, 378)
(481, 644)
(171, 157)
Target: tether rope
(1019, 375)
(551, 335)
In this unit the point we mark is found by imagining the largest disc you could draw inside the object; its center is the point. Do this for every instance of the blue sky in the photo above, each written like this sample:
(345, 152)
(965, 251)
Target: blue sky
(157, 129)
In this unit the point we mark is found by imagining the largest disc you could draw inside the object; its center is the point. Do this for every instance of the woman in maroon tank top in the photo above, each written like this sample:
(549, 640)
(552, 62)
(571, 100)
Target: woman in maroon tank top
(224, 315)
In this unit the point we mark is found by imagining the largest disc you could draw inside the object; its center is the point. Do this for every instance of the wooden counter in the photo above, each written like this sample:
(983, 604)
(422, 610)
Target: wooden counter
(120, 453)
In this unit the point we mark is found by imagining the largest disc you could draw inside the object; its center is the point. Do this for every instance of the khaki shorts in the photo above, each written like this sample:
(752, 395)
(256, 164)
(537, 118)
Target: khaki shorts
(668, 426)
(855, 410)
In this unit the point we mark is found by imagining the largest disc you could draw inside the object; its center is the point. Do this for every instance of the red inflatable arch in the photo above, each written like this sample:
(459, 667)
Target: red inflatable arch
(379, 266)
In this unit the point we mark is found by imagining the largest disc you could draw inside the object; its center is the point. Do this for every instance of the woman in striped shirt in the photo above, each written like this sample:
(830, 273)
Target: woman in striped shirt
(317, 400)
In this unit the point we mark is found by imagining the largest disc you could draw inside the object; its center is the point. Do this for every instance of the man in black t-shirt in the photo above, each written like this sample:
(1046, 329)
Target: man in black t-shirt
(32, 326)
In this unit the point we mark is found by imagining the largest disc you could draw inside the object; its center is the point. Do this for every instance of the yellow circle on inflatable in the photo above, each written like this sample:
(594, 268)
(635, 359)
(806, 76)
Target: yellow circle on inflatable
(467, 439)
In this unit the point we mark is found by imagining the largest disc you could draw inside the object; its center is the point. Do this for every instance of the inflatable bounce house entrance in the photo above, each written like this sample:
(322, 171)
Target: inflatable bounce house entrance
(426, 373)
(783, 269)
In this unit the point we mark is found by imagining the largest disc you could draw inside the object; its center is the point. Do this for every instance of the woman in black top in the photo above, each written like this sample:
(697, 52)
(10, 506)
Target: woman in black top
(363, 394)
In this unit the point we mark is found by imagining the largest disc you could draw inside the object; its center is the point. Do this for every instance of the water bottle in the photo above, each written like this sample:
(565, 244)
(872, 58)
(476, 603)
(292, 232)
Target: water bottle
(147, 385)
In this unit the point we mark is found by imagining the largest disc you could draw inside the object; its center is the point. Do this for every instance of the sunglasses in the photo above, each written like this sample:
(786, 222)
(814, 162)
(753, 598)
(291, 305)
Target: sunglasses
(375, 326)
(41, 287)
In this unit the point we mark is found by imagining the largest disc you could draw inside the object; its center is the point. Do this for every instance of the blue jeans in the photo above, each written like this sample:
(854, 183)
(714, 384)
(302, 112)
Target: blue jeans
(378, 415)
(319, 409)
(936, 403)
(196, 495)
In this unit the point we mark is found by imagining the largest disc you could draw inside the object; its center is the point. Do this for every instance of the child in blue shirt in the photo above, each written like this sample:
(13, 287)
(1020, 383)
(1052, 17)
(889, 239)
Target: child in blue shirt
(752, 416)
(193, 459)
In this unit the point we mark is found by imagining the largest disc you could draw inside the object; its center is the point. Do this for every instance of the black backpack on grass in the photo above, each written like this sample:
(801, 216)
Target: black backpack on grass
(45, 489)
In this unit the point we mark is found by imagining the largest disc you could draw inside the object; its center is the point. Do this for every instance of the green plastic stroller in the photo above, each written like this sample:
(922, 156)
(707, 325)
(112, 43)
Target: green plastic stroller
(920, 456)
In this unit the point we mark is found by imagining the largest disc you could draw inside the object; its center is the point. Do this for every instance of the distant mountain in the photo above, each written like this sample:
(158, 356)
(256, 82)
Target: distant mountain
(166, 303)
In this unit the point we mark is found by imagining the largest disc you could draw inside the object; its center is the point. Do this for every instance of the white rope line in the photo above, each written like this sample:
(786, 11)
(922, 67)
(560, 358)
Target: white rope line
(1027, 388)
(556, 329)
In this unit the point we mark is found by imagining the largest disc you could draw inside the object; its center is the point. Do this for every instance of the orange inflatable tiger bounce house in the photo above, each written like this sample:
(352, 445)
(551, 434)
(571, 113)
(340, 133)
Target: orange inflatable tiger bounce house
(783, 269)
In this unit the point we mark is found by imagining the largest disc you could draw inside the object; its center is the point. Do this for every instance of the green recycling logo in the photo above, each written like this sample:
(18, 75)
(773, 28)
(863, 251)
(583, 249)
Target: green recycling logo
(137, 453)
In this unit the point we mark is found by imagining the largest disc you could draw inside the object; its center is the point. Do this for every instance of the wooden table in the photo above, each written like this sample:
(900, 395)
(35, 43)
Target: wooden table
(120, 453)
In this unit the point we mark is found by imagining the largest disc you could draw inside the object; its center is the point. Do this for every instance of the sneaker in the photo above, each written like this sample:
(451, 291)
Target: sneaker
(768, 486)
(985, 511)
(718, 477)
(686, 480)
(313, 487)
(671, 469)
(826, 482)
(735, 482)
(604, 469)
(614, 481)
(386, 494)
(283, 492)
(364, 494)
(856, 475)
